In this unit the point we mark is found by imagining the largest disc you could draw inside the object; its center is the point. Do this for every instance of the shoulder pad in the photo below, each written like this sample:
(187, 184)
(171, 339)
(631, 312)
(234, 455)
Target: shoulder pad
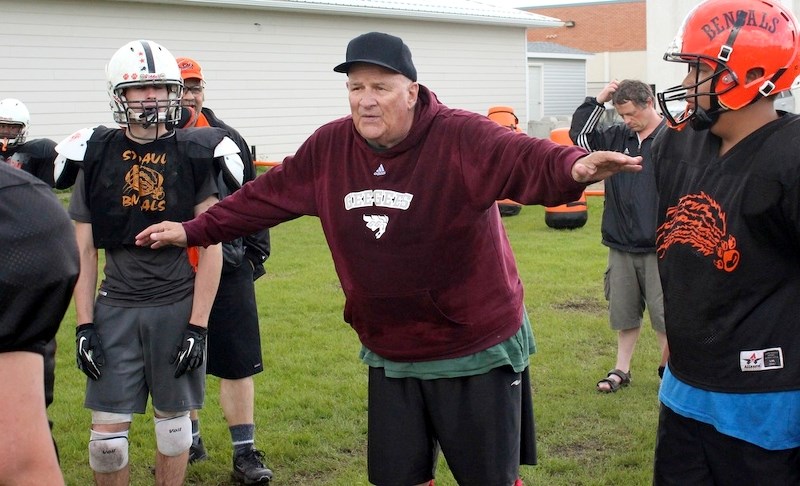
(226, 147)
(74, 146)
(232, 163)
(63, 172)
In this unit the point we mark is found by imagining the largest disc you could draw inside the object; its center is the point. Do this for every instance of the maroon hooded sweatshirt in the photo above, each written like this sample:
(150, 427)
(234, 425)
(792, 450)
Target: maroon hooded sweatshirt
(414, 231)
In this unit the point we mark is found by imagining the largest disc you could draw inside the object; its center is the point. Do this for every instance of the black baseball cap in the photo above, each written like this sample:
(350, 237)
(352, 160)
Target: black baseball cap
(381, 49)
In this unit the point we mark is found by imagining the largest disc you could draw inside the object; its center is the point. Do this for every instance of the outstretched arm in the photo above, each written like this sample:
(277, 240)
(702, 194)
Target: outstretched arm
(162, 234)
(598, 165)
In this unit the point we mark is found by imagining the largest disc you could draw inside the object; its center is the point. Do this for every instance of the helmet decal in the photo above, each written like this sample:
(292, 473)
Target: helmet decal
(750, 50)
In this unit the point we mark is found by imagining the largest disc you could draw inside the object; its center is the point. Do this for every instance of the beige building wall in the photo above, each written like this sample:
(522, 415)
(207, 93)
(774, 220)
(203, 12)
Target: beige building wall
(269, 72)
(605, 66)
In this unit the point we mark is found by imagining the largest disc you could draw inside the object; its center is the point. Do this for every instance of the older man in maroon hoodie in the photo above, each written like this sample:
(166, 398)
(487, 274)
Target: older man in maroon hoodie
(408, 186)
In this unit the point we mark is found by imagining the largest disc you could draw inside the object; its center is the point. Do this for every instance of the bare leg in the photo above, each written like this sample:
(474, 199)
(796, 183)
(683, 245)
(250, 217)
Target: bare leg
(662, 342)
(237, 397)
(626, 343)
(117, 478)
(171, 471)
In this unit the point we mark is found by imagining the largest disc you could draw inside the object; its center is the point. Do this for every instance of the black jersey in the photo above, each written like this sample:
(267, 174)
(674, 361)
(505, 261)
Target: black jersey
(126, 186)
(130, 186)
(729, 257)
(38, 262)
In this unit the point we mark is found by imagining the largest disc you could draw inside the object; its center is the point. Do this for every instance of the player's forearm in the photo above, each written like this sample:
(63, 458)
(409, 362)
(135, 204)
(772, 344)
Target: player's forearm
(86, 286)
(206, 283)
(84, 295)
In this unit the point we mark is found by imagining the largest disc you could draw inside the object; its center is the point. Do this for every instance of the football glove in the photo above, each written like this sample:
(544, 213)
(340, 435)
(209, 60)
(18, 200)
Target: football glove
(190, 351)
(89, 350)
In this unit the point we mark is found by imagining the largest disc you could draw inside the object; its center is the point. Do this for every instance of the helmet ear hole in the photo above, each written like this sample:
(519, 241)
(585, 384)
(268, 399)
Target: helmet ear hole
(754, 75)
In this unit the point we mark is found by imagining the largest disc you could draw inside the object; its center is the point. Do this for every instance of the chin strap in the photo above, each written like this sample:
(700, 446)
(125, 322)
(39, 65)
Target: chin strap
(702, 119)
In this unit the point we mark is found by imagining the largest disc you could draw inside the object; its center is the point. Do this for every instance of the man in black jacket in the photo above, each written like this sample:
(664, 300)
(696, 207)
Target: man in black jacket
(629, 218)
(234, 344)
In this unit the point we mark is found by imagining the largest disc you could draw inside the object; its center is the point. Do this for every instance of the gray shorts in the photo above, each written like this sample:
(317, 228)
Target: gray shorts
(138, 343)
(631, 284)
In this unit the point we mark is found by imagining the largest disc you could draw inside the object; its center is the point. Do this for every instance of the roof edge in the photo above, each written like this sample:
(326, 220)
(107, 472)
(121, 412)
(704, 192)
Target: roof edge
(323, 8)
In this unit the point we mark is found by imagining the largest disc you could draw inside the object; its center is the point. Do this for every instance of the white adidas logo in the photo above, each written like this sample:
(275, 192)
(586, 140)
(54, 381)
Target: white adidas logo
(380, 171)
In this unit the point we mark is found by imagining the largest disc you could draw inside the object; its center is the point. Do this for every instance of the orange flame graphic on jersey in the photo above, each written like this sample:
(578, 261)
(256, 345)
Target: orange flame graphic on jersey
(698, 221)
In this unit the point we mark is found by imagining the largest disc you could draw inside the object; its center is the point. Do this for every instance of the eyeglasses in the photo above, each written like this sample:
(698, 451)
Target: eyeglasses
(195, 89)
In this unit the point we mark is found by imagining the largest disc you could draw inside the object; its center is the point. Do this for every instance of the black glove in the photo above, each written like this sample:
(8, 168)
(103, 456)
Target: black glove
(89, 350)
(190, 351)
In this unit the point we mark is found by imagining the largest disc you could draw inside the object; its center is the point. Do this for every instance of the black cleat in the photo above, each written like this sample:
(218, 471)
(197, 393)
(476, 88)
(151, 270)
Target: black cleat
(197, 452)
(249, 468)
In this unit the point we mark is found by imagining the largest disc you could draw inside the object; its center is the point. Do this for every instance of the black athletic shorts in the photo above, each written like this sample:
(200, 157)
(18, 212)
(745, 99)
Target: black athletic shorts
(483, 425)
(234, 342)
(692, 452)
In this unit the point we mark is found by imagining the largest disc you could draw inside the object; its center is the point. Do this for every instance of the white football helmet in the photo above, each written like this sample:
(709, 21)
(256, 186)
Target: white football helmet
(138, 63)
(13, 112)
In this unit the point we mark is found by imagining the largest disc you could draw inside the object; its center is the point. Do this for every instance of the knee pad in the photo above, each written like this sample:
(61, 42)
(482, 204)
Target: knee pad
(108, 451)
(173, 434)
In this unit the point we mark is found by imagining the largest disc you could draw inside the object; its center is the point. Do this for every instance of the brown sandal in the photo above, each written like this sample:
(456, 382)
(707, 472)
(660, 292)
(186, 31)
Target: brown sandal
(614, 385)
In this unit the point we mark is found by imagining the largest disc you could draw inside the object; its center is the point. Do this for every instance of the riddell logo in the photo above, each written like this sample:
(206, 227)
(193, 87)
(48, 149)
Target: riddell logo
(698, 221)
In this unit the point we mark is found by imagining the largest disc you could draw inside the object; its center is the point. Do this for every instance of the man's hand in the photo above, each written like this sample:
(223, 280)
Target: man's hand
(89, 350)
(608, 92)
(162, 234)
(190, 352)
(598, 165)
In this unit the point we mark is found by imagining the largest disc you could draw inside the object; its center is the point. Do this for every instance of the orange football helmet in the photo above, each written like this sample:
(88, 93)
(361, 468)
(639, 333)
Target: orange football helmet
(733, 38)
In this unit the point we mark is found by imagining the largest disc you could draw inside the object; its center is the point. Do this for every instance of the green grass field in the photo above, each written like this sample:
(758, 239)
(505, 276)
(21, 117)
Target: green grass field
(311, 399)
